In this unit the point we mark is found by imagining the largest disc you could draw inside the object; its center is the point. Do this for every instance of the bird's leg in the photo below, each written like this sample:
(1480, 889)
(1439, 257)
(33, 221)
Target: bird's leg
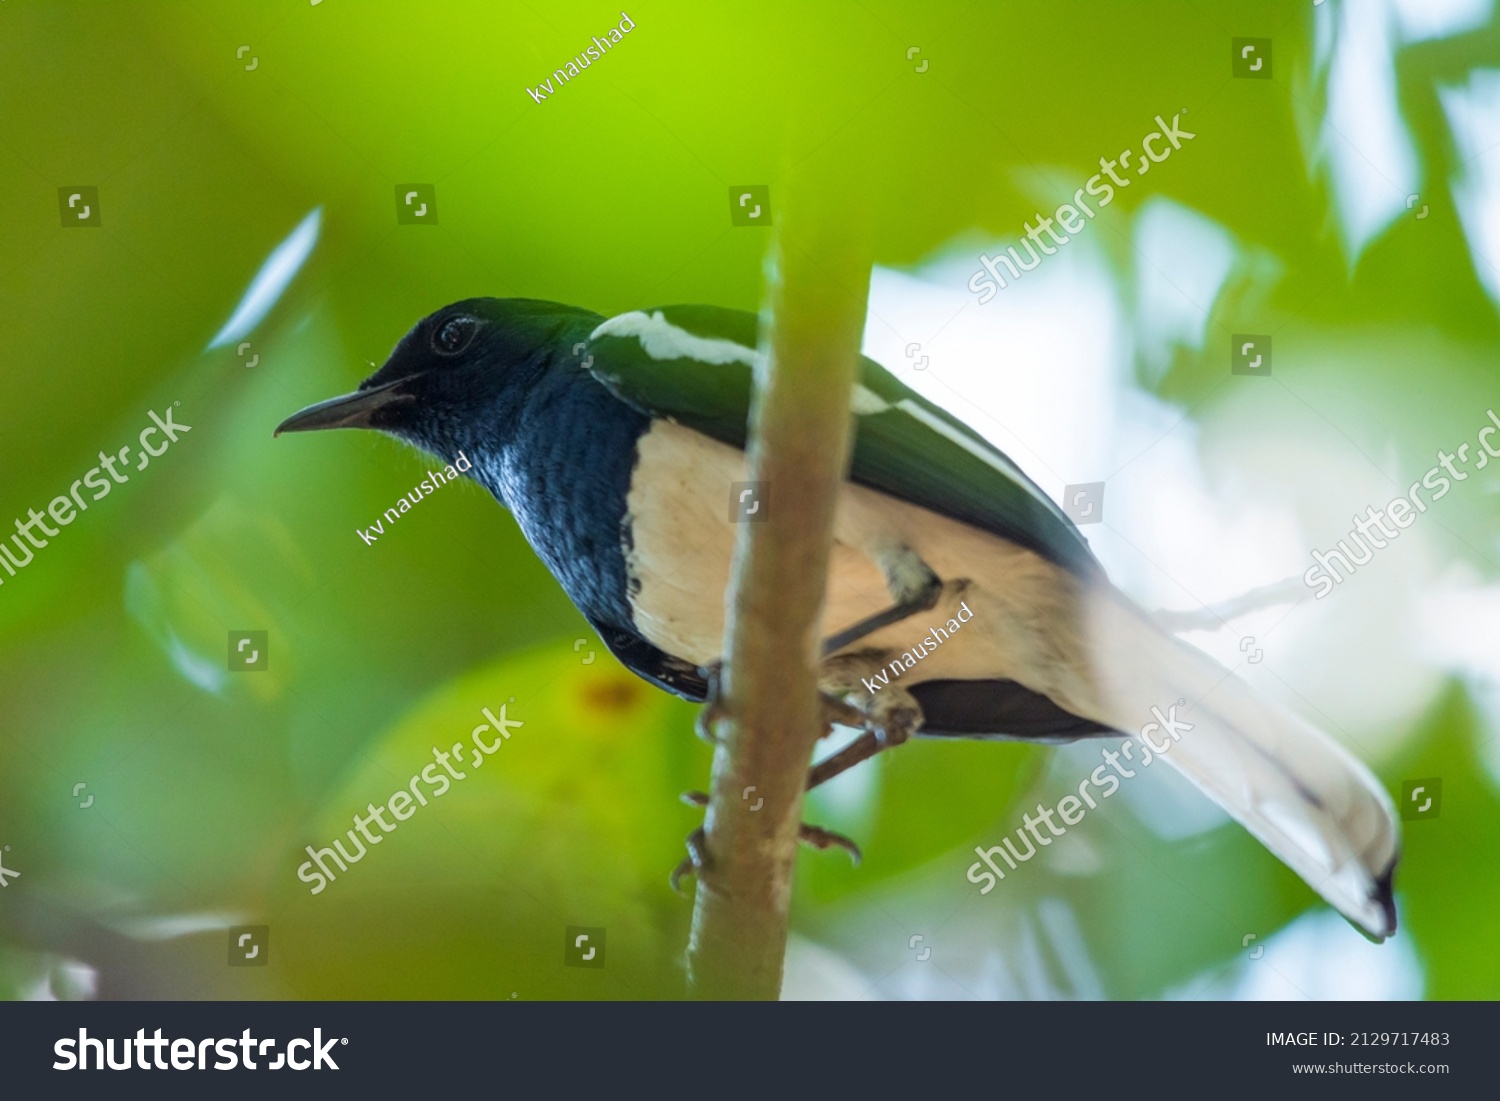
(899, 725)
(887, 720)
(888, 717)
(913, 587)
(835, 710)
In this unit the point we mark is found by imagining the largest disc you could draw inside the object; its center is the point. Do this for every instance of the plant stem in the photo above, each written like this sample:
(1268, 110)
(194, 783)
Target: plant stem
(800, 434)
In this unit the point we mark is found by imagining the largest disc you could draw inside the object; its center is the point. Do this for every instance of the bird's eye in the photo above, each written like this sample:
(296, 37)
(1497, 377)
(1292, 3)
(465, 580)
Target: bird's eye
(454, 335)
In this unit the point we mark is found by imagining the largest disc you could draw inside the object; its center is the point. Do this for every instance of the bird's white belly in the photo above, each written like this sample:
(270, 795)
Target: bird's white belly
(683, 545)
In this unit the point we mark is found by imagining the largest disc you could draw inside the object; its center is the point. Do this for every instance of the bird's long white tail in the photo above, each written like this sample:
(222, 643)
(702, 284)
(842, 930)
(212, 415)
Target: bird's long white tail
(1293, 787)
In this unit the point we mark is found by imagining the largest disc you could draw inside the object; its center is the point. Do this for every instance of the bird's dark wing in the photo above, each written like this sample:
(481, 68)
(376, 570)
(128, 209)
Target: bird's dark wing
(694, 364)
(677, 676)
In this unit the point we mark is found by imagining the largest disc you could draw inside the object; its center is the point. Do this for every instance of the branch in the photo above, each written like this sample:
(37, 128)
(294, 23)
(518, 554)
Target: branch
(1211, 617)
(800, 434)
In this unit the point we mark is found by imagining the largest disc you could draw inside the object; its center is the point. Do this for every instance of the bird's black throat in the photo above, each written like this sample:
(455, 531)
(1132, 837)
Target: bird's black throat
(564, 472)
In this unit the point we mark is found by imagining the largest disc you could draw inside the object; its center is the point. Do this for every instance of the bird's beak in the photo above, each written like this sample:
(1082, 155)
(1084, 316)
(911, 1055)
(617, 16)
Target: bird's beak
(349, 411)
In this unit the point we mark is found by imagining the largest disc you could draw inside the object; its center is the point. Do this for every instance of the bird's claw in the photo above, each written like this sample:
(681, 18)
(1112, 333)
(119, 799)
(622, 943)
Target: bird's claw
(819, 838)
(707, 720)
(816, 836)
(835, 710)
(832, 710)
(696, 859)
(713, 710)
(897, 726)
(890, 728)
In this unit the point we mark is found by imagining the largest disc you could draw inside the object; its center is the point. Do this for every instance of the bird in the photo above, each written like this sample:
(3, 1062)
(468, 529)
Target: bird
(962, 601)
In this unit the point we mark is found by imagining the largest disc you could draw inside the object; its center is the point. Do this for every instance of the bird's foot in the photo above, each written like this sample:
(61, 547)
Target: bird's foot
(889, 723)
(819, 838)
(884, 728)
(896, 725)
(697, 858)
(835, 710)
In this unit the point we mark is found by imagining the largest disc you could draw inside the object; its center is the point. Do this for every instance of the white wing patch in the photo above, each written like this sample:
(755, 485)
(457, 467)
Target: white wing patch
(661, 340)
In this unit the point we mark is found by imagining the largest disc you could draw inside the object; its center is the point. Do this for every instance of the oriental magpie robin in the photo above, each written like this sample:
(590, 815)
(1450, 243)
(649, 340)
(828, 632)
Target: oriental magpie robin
(615, 443)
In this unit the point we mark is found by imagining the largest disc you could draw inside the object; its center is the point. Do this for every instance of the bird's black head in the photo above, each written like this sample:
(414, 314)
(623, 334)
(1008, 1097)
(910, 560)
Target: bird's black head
(459, 379)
